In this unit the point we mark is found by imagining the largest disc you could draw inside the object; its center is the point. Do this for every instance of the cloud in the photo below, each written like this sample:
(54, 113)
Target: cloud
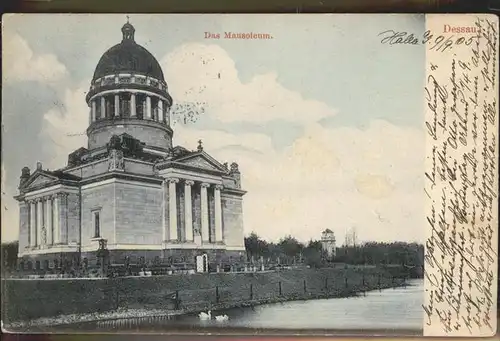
(336, 178)
(373, 186)
(20, 63)
(339, 178)
(207, 74)
(63, 126)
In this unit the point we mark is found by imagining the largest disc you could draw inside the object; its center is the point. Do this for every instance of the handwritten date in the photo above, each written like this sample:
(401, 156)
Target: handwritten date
(437, 42)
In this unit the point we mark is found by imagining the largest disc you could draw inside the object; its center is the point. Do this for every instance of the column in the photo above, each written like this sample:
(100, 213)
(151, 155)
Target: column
(148, 107)
(90, 116)
(132, 105)
(218, 214)
(94, 110)
(160, 110)
(57, 228)
(48, 220)
(117, 105)
(167, 116)
(172, 198)
(103, 107)
(188, 210)
(33, 222)
(205, 229)
(39, 223)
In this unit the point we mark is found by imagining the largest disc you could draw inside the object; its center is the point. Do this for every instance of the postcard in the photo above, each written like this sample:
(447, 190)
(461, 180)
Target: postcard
(238, 174)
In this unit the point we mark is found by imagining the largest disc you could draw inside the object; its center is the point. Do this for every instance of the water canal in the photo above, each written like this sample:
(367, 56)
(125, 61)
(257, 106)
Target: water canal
(386, 310)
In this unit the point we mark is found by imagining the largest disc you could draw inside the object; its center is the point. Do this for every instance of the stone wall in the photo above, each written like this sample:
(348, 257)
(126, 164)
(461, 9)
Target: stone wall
(91, 169)
(21, 299)
(150, 132)
(232, 215)
(73, 218)
(175, 255)
(138, 213)
(98, 197)
(138, 167)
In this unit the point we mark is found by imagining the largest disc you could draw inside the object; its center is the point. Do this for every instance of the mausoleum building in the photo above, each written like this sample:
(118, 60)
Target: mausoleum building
(130, 186)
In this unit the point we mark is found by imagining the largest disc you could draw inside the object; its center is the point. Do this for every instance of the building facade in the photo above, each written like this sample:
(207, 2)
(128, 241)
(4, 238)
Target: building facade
(130, 186)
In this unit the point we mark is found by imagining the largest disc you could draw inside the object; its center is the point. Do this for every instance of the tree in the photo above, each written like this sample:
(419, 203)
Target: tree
(9, 255)
(313, 254)
(290, 247)
(255, 246)
(252, 244)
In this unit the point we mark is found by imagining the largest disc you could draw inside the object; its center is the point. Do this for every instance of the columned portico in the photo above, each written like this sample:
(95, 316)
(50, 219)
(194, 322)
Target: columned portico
(44, 226)
(188, 213)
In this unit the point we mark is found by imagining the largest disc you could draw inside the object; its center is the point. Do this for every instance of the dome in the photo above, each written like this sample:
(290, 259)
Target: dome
(128, 57)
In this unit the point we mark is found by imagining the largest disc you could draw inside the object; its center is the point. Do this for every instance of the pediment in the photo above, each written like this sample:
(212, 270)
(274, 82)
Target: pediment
(39, 179)
(202, 161)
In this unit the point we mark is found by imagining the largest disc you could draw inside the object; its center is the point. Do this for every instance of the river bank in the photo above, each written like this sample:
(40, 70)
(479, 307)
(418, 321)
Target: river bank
(169, 296)
(122, 316)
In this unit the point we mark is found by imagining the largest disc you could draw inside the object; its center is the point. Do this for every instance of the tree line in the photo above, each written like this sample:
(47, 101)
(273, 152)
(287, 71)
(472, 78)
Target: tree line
(288, 250)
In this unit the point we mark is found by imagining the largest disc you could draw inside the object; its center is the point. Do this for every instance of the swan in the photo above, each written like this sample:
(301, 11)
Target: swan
(205, 316)
(221, 318)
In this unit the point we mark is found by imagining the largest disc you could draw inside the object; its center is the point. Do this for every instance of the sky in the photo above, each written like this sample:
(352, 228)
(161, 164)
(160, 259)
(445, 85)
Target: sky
(325, 122)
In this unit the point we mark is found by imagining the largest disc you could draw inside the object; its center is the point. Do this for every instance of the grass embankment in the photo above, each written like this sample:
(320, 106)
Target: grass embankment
(68, 301)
